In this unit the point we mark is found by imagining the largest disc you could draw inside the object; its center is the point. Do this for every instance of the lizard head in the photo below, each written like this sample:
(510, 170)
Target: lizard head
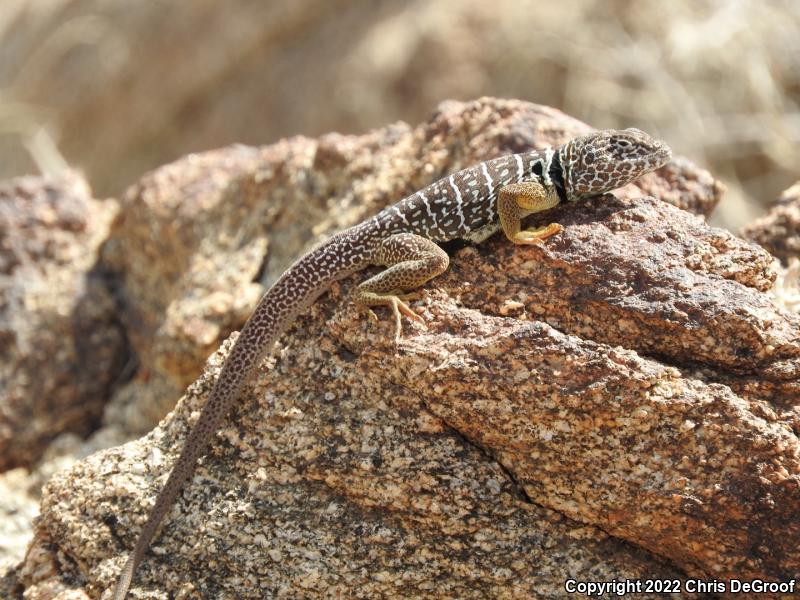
(605, 160)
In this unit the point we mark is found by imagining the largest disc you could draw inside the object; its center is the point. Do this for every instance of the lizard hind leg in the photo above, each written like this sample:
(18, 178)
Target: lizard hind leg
(412, 260)
(518, 200)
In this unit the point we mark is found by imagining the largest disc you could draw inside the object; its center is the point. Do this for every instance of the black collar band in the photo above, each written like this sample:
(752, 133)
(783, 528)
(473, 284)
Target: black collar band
(556, 173)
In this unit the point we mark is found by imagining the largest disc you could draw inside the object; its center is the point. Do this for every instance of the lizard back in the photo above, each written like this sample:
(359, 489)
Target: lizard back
(463, 204)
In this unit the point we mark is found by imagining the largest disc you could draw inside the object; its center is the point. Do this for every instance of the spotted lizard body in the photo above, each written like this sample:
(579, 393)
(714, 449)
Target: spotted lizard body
(471, 204)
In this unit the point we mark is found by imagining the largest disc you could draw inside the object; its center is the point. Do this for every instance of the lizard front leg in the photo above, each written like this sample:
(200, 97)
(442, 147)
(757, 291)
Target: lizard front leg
(516, 201)
(412, 260)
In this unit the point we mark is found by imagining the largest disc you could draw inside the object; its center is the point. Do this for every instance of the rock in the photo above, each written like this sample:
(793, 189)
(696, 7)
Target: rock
(779, 230)
(20, 494)
(62, 347)
(184, 263)
(355, 487)
(684, 184)
(602, 406)
(18, 507)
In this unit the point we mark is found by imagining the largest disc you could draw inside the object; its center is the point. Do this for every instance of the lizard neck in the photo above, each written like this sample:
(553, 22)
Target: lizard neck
(549, 167)
(546, 167)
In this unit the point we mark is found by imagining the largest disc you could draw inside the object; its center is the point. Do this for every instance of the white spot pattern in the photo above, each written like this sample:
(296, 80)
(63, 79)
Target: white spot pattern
(548, 159)
(459, 207)
(520, 167)
(488, 179)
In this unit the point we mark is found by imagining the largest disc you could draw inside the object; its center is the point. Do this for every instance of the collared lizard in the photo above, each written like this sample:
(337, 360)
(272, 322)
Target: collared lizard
(471, 204)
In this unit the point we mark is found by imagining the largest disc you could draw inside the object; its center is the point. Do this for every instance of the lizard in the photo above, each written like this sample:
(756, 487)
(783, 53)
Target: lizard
(472, 204)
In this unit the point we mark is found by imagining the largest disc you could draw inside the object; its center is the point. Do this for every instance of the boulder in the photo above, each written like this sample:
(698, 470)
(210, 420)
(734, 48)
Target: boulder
(616, 403)
(63, 349)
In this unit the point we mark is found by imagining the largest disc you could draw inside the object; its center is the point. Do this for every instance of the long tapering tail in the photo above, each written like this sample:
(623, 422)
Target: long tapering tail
(294, 291)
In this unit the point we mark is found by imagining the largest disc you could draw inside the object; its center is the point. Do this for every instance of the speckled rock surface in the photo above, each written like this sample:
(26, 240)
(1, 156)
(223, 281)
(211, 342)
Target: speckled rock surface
(425, 468)
(20, 494)
(61, 347)
(336, 484)
(779, 230)
(196, 239)
(619, 402)
(185, 261)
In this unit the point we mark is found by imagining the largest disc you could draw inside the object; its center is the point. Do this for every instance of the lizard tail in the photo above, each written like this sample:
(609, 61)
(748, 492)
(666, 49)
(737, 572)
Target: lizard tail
(294, 291)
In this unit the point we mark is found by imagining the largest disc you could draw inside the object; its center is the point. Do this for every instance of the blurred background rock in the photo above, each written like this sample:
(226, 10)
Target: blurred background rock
(115, 87)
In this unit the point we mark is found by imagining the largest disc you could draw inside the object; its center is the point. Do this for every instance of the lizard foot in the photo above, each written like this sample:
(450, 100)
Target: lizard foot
(396, 302)
(536, 236)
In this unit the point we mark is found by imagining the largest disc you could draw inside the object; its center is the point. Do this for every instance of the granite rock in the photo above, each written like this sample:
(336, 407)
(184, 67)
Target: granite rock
(618, 402)
(779, 230)
(62, 349)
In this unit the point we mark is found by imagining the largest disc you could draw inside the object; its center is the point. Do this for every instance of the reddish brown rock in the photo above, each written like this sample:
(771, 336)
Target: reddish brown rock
(356, 486)
(683, 468)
